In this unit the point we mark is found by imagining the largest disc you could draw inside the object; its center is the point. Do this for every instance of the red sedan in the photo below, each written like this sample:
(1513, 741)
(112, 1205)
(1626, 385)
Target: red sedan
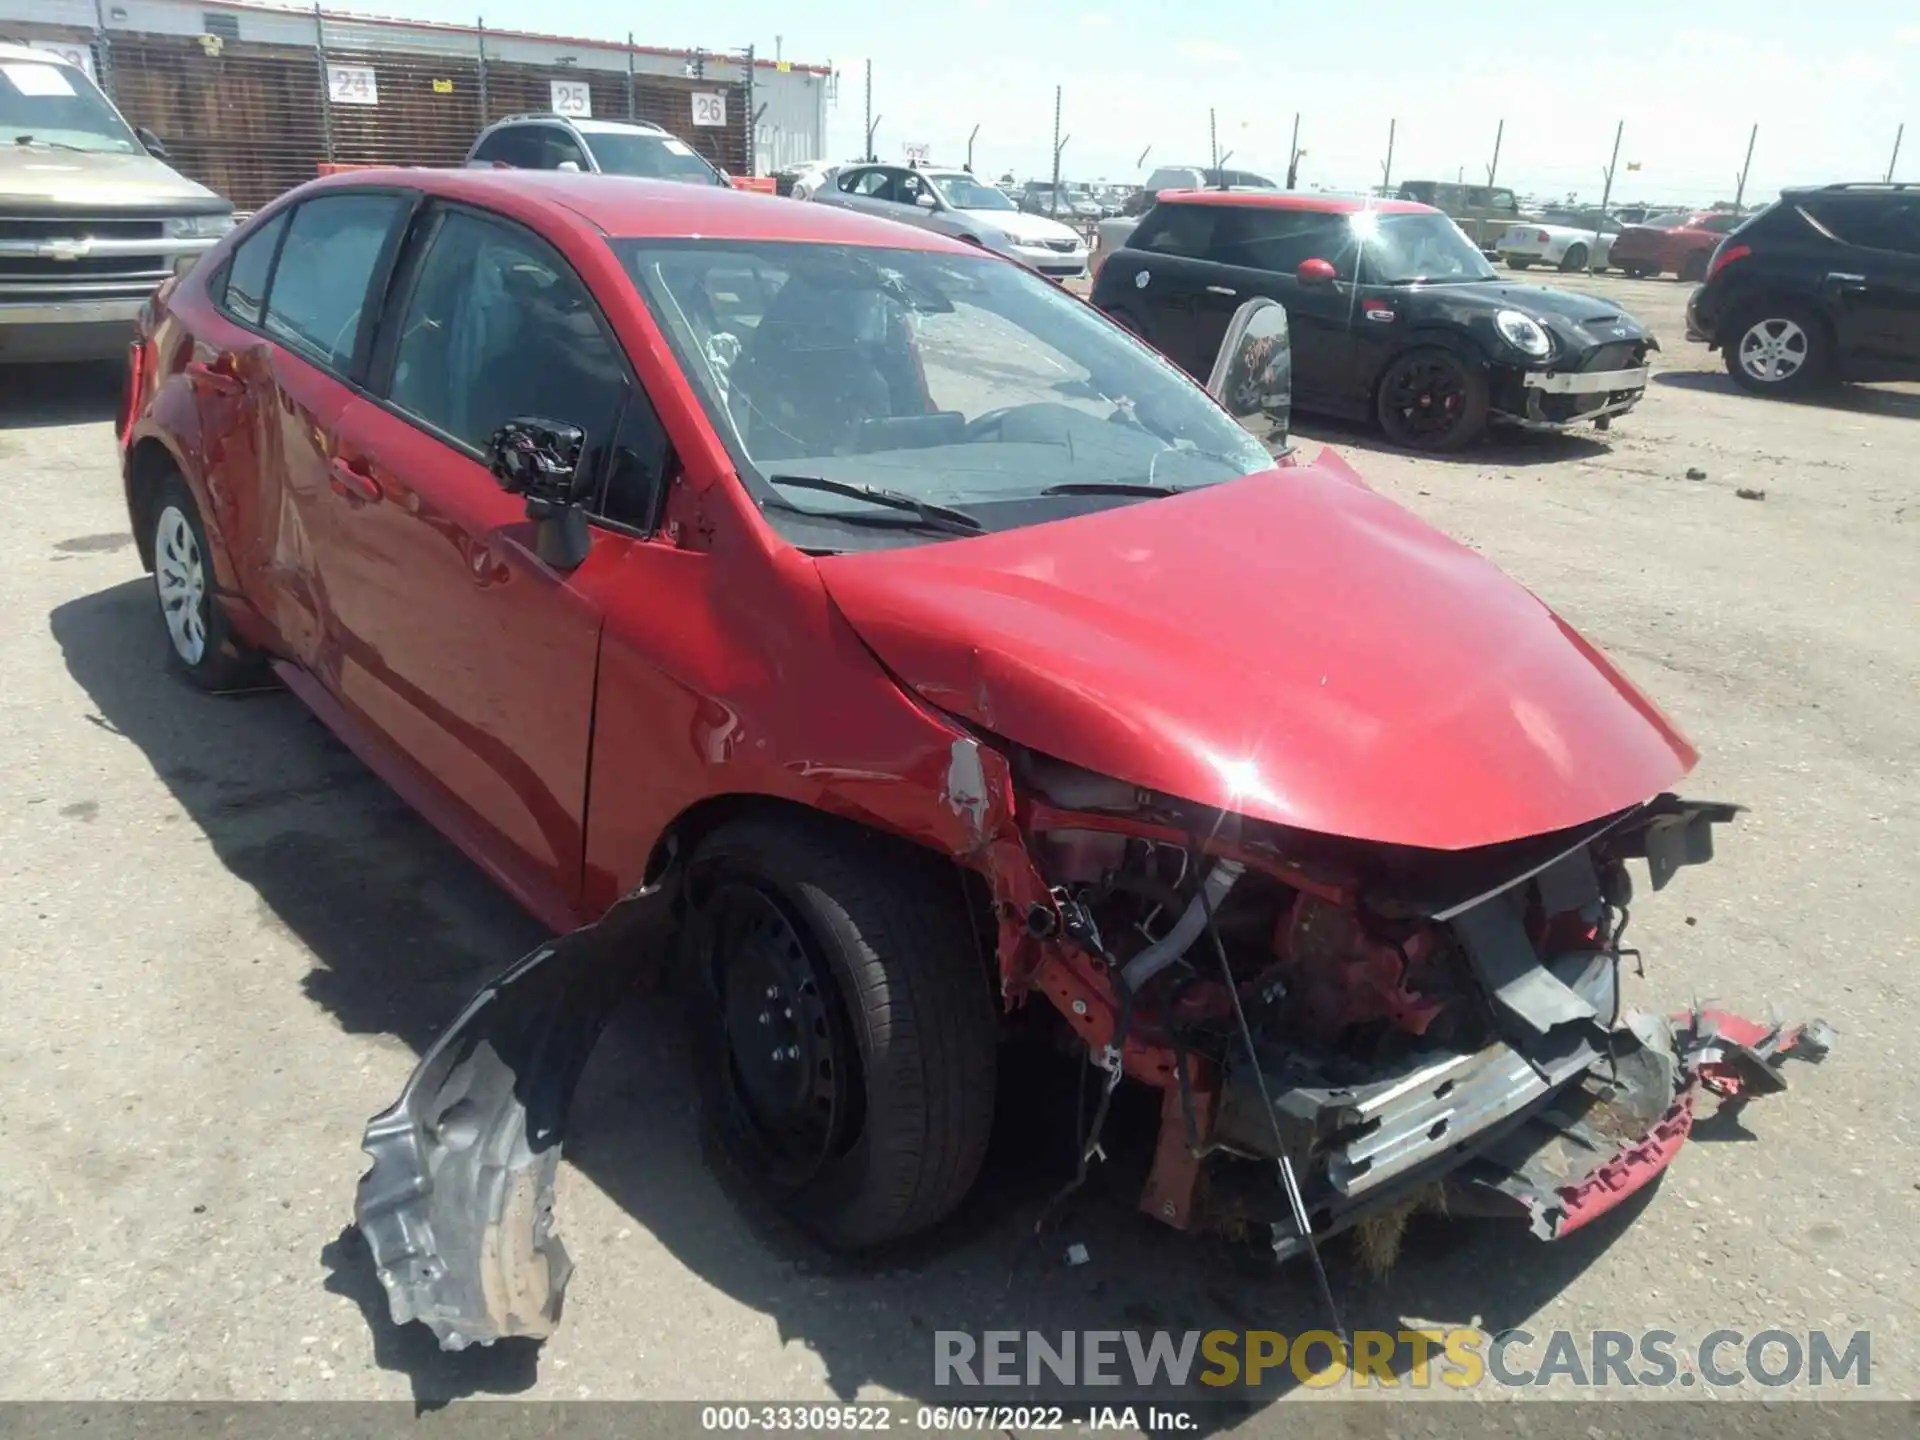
(1679, 249)
(868, 632)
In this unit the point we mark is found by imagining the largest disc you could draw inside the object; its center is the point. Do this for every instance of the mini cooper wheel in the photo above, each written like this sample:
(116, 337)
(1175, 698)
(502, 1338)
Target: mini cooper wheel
(1431, 399)
(201, 644)
(844, 1026)
(1777, 349)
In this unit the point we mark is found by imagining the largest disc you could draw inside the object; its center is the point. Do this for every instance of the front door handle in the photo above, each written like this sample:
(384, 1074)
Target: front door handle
(214, 376)
(1221, 290)
(348, 478)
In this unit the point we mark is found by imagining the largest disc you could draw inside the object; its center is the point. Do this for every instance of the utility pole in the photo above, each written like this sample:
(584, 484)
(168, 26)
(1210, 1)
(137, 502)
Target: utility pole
(1606, 195)
(871, 122)
(1386, 170)
(1740, 190)
(1059, 144)
(1142, 161)
(1493, 167)
(1898, 136)
(976, 131)
(1213, 144)
(1293, 153)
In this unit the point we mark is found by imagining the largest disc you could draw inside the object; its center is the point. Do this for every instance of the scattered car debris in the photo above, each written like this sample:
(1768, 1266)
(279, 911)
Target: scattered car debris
(1748, 493)
(1694, 472)
(1077, 1254)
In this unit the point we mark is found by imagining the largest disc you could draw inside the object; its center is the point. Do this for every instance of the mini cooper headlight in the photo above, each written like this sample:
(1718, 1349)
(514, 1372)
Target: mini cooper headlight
(1522, 332)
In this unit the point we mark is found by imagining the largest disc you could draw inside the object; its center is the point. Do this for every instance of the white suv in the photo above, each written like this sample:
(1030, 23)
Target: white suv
(601, 147)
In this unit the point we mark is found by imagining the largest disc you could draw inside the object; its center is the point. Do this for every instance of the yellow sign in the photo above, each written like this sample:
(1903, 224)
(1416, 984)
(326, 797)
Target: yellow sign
(1633, 164)
(443, 87)
(783, 66)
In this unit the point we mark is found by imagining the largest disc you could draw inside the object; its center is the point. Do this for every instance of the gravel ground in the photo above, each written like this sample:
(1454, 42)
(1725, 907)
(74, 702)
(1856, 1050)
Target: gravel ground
(228, 944)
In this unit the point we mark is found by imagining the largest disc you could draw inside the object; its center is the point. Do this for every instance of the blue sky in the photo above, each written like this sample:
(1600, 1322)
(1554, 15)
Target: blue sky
(1828, 85)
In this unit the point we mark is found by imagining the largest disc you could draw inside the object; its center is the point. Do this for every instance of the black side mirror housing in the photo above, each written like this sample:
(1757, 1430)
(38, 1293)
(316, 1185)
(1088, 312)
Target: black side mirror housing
(151, 143)
(540, 459)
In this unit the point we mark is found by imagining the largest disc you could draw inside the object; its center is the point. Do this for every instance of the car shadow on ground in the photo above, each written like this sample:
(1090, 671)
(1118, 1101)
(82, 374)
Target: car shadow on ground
(401, 929)
(1860, 399)
(1503, 445)
(32, 396)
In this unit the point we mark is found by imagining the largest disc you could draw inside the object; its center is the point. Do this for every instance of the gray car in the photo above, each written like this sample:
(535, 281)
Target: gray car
(92, 218)
(957, 203)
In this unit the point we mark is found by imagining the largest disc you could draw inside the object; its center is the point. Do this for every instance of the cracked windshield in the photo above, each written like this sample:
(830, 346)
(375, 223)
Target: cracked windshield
(848, 371)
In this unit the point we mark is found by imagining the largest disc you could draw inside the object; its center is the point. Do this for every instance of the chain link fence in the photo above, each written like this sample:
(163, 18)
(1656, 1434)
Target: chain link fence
(251, 118)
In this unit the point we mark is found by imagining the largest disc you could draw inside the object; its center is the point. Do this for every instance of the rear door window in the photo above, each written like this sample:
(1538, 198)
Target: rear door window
(245, 283)
(1878, 222)
(1263, 239)
(1177, 230)
(513, 146)
(335, 247)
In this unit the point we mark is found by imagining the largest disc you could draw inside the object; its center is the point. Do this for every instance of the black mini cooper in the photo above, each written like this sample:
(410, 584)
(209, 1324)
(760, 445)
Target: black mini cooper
(1395, 315)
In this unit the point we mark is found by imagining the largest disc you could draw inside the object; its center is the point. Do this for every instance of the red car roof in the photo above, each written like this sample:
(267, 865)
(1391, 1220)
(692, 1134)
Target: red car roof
(626, 206)
(1295, 200)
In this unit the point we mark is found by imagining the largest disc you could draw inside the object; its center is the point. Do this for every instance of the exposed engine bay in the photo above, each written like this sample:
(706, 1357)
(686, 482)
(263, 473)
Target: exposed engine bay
(1389, 1025)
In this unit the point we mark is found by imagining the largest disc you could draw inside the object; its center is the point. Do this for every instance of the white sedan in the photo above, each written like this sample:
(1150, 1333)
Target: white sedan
(1565, 239)
(956, 203)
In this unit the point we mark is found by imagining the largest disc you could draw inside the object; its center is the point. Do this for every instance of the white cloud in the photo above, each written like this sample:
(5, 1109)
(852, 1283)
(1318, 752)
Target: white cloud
(1093, 19)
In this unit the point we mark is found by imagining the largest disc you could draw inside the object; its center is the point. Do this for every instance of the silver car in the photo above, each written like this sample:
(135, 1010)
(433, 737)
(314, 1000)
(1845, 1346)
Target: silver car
(956, 203)
(91, 218)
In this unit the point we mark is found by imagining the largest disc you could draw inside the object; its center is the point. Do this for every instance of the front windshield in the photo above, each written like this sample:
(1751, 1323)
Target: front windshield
(952, 379)
(48, 104)
(655, 157)
(963, 192)
(1403, 249)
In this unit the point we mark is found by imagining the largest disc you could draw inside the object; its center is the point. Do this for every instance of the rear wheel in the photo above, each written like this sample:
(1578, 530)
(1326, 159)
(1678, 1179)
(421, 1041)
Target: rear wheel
(846, 1030)
(202, 645)
(1431, 399)
(1638, 271)
(1574, 259)
(1777, 349)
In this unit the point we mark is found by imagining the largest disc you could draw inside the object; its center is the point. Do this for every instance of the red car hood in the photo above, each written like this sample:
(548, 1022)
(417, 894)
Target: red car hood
(1291, 646)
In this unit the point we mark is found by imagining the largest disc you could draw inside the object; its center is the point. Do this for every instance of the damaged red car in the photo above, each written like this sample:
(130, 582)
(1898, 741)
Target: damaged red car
(873, 634)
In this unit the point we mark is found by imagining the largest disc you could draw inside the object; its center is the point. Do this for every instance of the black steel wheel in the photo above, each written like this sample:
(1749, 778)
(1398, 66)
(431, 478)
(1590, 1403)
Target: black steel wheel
(1575, 259)
(1432, 399)
(844, 1025)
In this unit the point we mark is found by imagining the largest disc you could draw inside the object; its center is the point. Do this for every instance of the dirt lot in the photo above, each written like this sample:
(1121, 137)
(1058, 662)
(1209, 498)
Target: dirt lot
(227, 944)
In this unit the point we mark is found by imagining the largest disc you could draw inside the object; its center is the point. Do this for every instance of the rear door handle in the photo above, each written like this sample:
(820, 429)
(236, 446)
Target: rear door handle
(349, 479)
(213, 376)
(1221, 290)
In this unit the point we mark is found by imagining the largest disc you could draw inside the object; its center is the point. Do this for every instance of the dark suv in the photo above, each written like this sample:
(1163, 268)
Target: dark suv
(1823, 284)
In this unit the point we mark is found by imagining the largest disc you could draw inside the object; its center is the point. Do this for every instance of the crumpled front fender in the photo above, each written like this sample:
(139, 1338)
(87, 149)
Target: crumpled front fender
(457, 1208)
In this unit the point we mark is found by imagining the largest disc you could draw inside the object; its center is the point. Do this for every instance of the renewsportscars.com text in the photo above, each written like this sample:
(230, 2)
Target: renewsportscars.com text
(1412, 1359)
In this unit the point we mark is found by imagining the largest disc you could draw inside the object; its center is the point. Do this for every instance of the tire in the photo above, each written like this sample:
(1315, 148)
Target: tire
(1574, 259)
(201, 644)
(1420, 384)
(1514, 262)
(1694, 268)
(857, 952)
(1638, 272)
(1777, 348)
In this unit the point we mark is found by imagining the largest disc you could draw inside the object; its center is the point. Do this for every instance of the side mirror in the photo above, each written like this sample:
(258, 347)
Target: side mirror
(1253, 373)
(1315, 272)
(540, 459)
(926, 202)
(150, 142)
(572, 165)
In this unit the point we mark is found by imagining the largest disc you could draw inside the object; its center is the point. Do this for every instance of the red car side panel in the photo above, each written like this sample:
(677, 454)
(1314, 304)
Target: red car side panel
(448, 636)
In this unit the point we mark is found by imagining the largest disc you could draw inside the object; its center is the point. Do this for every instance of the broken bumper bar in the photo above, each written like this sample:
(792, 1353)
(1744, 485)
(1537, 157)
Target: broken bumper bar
(1586, 382)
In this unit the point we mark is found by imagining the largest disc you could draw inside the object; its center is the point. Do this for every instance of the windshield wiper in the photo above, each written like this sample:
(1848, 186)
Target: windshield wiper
(52, 144)
(1110, 487)
(936, 517)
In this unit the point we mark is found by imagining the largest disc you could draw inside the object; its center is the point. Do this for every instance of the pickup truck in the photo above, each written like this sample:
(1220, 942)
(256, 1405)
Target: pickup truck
(92, 218)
